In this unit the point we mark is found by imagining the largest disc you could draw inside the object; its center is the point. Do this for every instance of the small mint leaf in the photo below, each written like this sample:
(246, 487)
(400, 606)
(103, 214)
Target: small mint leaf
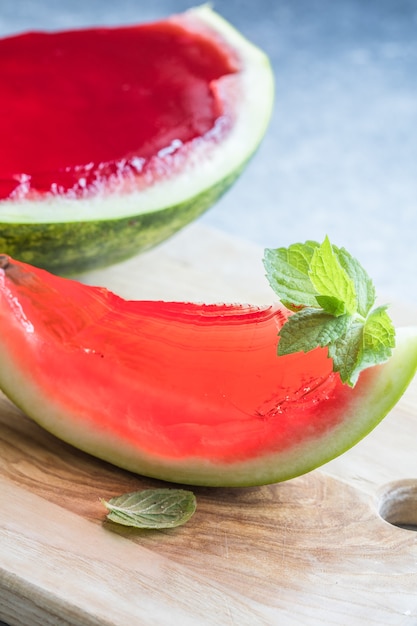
(346, 353)
(330, 279)
(366, 344)
(287, 273)
(378, 337)
(152, 508)
(331, 305)
(299, 255)
(364, 288)
(309, 329)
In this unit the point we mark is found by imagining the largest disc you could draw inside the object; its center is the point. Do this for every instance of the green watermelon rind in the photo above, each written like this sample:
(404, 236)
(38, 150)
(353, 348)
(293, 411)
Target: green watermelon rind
(72, 247)
(69, 236)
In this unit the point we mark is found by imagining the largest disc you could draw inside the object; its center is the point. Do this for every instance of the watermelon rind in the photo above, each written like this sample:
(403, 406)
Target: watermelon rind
(74, 247)
(70, 235)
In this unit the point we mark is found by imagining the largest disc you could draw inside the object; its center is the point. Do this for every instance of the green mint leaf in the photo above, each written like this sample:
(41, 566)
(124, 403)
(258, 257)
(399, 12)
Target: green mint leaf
(364, 288)
(287, 271)
(332, 305)
(309, 329)
(300, 255)
(332, 299)
(378, 337)
(366, 344)
(152, 508)
(332, 281)
(346, 353)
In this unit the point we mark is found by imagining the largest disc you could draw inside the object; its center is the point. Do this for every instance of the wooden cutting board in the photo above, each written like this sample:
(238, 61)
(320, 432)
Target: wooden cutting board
(314, 550)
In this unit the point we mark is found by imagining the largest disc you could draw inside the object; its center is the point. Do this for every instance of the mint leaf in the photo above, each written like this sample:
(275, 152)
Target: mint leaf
(288, 274)
(365, 345)
(310, 327)
(346, 353)
(152, 508)
(335, 287)
(332, 305)
(364, 288)
(378, 337)
(299, 255)
(331, 297)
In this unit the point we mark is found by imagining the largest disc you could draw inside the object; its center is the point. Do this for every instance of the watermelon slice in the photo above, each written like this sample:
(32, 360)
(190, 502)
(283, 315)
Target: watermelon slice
(183, 392)
(114, 138)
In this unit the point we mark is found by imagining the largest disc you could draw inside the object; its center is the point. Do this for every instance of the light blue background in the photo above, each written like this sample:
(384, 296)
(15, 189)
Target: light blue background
(340, 156)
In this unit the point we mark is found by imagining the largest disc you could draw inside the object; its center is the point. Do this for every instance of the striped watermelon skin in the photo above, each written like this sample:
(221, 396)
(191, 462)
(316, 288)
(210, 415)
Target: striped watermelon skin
(74, 247)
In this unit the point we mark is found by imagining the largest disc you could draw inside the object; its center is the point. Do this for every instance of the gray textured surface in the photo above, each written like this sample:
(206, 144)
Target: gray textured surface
(340, 156)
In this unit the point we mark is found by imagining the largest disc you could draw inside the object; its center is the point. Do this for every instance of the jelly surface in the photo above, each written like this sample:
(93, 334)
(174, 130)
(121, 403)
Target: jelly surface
(175, 379)
(76, 105)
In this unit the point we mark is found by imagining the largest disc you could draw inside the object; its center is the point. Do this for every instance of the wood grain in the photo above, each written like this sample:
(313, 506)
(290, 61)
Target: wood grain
(312, 550)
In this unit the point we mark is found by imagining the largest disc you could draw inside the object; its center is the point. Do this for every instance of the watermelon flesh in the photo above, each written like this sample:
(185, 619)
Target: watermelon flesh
(183, 392)
(116, 101)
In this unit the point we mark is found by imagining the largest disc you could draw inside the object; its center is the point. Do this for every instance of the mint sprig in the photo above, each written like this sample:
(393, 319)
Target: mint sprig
(332, 299)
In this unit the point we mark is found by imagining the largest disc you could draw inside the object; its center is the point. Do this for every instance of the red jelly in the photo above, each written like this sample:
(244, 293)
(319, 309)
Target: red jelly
(81, 104)
(178, 379)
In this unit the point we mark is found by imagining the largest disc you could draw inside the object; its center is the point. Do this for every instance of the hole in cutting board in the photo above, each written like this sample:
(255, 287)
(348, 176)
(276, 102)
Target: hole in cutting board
(398, 504)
